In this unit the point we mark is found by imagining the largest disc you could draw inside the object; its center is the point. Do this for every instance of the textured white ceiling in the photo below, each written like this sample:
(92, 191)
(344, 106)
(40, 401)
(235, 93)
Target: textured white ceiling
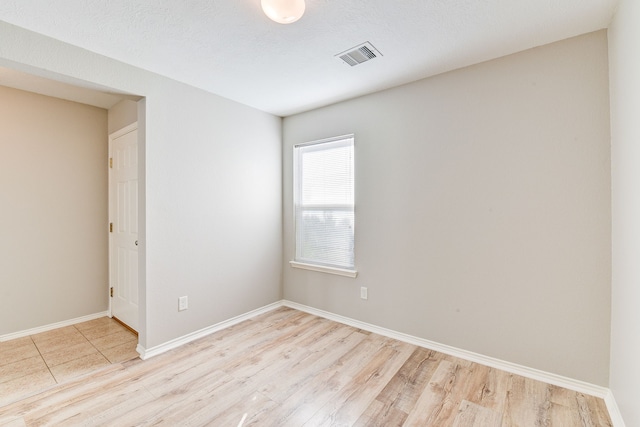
(230, 48)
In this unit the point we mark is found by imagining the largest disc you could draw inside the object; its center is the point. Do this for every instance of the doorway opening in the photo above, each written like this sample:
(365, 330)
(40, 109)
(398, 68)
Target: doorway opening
(59, 297)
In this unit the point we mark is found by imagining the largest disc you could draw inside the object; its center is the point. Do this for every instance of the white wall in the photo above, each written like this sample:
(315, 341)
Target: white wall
(624, 63)
(211, 206)
(482, 209)
(53, 187)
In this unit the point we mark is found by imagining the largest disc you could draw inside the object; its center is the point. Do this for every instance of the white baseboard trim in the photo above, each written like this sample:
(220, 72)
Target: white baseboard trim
(146, 353)
(558, 380)
(614, 411)
(51, 326)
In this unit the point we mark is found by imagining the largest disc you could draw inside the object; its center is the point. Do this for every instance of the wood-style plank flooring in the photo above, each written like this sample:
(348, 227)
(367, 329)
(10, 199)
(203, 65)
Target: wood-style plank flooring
(289, 368)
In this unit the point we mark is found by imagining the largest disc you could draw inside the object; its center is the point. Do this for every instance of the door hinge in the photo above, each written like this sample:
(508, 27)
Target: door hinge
(111, 162)
(111, 292)
(110, 227)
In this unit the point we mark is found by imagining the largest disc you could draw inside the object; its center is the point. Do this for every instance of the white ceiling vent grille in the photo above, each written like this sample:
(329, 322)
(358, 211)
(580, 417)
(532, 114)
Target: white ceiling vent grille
(359, 54)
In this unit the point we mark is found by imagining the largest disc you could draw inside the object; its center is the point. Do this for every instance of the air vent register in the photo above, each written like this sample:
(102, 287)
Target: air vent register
(359, 54)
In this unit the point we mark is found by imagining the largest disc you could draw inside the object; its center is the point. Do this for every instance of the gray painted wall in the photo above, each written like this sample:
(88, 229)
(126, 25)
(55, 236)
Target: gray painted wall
(122, 114)
(482, 209)
(53, 182)
(624, 59)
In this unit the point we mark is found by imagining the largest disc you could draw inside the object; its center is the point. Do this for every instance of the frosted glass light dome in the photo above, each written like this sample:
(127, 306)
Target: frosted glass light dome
(283, 11)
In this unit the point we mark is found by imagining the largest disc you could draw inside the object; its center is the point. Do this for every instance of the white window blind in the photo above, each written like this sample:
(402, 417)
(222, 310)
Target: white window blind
(324, 202)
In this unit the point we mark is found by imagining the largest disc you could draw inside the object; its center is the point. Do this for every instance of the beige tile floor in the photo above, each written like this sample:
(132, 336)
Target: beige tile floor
(36, 362)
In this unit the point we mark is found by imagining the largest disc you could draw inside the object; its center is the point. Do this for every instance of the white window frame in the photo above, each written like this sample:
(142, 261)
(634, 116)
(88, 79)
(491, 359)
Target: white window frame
(310, 264)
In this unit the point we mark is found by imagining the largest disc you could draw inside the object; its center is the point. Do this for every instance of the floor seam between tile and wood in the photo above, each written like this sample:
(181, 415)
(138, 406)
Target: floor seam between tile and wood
(66, 353)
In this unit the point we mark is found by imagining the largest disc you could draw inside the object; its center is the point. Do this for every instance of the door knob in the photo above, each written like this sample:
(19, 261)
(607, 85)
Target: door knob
(136, 243)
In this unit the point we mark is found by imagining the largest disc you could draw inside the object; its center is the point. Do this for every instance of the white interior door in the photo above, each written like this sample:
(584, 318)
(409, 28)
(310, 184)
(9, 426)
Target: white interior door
(123, 227)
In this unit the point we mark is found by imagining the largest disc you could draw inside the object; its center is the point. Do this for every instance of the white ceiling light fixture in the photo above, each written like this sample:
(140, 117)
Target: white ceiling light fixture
(283, 11)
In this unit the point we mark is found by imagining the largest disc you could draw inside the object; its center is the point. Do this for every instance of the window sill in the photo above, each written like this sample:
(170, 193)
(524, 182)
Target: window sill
(331, 270)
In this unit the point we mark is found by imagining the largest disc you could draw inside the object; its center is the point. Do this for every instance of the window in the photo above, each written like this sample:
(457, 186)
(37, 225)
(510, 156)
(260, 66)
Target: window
(324, 205)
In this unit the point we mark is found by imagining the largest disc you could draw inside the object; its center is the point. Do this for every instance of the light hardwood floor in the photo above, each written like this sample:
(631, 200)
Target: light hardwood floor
(288, 368)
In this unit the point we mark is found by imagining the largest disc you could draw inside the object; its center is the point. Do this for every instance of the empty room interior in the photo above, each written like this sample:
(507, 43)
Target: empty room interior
(320, 212)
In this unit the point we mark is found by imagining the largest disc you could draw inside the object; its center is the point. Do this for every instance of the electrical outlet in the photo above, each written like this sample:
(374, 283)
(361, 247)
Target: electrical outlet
(183, 303)
(363, 292)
